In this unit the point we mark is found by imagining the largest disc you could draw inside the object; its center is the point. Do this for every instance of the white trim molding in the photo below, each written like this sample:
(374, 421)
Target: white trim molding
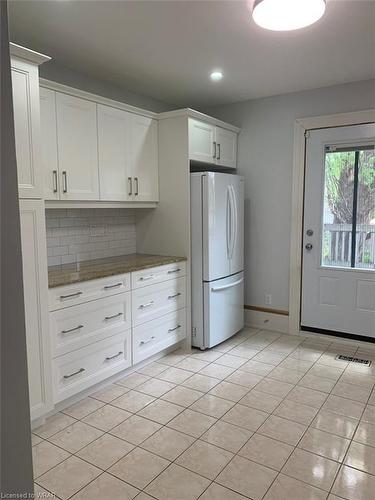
(301, 126)
(65, 89)
(266, 320)
(27, 54)
(192, 113)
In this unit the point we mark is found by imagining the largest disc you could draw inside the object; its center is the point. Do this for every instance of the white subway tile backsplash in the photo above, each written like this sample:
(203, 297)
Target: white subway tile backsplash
(74, 235)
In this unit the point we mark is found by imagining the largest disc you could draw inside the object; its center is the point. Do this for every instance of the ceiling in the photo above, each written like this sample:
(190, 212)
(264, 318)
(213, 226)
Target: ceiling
(167, 49)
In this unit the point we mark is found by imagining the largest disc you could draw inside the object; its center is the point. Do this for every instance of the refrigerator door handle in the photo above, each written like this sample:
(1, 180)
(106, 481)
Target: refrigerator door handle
(225, 287)
(229, 222)
(234, 220)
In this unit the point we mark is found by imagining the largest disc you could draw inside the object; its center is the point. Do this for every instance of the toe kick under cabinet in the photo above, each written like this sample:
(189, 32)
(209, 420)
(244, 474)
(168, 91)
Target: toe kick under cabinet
(101, 327)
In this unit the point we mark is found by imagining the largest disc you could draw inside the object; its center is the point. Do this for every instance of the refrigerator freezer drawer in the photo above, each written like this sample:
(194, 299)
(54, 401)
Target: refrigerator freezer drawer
(223, 309)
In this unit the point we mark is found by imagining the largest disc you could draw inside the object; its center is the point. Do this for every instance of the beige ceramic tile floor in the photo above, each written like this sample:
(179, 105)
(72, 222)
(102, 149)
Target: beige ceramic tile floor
(262, 416)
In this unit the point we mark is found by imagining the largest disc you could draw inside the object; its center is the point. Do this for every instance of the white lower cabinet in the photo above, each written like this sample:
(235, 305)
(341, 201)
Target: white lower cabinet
(34, 263)
(101, 327)
(76, 326)
(151, 338)
(85, 367)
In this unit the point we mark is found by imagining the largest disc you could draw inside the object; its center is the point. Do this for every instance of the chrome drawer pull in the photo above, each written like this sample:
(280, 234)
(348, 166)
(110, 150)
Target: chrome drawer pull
(108, 358)
(174, 271)
(174, 329)
(72, 329)
(71, 295)
(108, 287)
(113, 316)
(146, 278)
(81, 370)
(143, 306)
(143, 342)
(174, 296)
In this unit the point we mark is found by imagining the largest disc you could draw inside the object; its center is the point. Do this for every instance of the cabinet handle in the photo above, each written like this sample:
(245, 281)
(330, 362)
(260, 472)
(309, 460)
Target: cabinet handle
(108, 287)
(174, 271)
(214, 155)
(71, 295)
(54, 173)
(81, 370)
(146, 278)
(174, 329)
(108, 358)
(174, 296)
(113, 316)
(143, 306)
(72, 329)
(143, 342)
(65, 182)
(219, 150)
(136, 186)
(130, 185)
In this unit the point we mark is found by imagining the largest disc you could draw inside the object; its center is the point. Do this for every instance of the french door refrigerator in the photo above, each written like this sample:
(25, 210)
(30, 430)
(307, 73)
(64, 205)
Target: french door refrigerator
(217, 227)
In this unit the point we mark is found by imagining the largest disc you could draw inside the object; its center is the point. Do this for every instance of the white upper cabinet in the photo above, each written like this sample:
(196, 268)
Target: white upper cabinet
(77, 146)
(144, 145)
(202, 143)
(25, 85)
(49, 144)
(212, 144)
(115, 170)
(226, 146)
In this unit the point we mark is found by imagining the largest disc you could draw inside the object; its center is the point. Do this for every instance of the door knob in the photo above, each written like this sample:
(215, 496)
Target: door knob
(308, 246)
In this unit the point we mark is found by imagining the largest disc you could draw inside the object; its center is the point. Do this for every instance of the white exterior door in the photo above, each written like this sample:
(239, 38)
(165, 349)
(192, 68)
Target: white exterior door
(77, 148)
(25, 84)
(144, 144)
(226, 144)
(338, 280)
(114, 154)
(48, 129)
(202, 142)
(34, 260)
(216, 213)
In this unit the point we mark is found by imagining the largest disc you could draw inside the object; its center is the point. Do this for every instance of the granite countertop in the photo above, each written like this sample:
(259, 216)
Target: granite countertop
(68, 274)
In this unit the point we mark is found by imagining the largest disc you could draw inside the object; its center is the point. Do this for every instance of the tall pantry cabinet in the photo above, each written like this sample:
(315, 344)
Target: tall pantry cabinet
(25, 83)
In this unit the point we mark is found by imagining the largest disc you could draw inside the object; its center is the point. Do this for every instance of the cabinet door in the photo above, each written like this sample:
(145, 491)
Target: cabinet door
(34, 260)
(202, 145)
(25, 85)
(49, 143)
(226, 148)
(144, 141)
(77, 148)
(114, 153)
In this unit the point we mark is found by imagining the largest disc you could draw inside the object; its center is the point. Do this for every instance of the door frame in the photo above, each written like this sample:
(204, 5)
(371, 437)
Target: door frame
(301, 127)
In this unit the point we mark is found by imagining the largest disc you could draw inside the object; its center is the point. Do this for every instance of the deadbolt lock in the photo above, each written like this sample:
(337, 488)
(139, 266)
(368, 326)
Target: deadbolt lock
(309, 232)
(308, 246)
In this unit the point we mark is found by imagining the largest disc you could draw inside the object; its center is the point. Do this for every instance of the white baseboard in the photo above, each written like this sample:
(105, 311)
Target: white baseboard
(267, 321)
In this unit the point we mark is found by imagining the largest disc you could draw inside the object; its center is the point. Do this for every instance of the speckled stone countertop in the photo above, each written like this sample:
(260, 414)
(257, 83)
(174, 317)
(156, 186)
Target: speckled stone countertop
(67, 274)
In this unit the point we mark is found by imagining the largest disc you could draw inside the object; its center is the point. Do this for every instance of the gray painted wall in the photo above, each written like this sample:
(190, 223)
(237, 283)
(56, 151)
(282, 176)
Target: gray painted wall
(265, 156)
(61, 74)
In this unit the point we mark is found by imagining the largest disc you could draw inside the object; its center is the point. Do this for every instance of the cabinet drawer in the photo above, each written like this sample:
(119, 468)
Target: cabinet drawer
(77, 326)
(158, 274)
(85, 367)
(154, 336)
(153, 301)
(70, 295)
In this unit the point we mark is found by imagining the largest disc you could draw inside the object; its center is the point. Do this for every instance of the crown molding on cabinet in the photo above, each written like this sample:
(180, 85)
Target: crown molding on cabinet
(192, 113)
(65, 89)
(27, 54)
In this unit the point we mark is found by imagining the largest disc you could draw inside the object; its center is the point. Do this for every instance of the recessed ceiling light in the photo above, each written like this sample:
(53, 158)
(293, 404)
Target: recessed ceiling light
(285, 15)
(216, 76)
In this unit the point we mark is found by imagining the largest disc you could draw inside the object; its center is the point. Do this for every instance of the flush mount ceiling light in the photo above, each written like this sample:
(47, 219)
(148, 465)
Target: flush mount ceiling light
(216, 75)
(286, 15)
